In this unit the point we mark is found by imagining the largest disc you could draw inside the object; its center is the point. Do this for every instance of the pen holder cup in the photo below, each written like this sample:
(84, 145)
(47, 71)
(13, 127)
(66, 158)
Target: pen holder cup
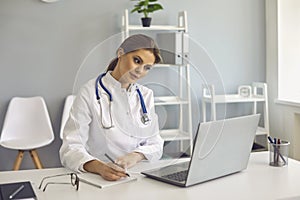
(278, 154)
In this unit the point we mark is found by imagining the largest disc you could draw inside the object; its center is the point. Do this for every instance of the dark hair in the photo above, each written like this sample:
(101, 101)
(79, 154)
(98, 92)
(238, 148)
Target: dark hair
(134, 43)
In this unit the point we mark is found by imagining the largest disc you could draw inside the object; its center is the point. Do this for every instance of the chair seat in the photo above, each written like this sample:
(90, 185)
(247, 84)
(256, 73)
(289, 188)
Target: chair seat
(26, 144)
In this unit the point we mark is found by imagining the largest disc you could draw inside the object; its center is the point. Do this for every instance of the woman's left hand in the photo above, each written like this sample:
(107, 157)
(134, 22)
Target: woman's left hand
(129, 160)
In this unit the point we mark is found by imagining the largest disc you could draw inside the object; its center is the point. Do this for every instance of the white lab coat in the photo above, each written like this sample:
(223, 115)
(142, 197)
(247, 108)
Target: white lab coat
(84, 139)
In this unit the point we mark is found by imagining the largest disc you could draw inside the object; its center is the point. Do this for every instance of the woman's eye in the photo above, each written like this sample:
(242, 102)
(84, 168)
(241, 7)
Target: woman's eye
(137, 60)
(148, 67)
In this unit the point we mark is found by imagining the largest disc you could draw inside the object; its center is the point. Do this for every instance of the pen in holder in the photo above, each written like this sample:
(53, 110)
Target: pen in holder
(278, 152)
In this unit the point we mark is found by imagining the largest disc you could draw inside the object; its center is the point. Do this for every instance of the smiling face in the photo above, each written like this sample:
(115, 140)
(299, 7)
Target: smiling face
(133, 66)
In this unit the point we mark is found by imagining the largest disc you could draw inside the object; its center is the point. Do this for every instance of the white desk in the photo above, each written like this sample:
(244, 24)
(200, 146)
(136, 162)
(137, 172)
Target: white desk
(258, 181)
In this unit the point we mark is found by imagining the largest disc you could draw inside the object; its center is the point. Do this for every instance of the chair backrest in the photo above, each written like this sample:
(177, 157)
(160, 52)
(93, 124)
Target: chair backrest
(27, 118)
(67, 107)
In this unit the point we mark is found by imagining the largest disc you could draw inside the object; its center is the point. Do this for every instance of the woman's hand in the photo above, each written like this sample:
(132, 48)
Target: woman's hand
(108, 171)
(129, 160)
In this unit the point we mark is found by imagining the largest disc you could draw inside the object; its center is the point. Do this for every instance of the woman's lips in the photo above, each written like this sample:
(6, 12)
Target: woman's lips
(133, 76)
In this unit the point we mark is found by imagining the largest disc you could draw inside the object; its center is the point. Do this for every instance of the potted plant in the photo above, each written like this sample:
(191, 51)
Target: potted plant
(146, 7)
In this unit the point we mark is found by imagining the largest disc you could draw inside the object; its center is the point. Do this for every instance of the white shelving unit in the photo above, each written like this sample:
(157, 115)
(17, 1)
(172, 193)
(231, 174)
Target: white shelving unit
(182, 99)
(259, 95)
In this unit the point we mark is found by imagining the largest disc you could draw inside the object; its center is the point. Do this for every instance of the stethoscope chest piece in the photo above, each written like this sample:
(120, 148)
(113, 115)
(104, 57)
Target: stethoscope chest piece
(145, 119)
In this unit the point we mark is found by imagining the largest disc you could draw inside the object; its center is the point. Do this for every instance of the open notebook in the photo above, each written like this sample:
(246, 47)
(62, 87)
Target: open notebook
(97, 181)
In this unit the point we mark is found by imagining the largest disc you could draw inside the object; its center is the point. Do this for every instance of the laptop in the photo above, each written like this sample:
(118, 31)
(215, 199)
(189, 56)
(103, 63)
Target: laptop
(221, 148)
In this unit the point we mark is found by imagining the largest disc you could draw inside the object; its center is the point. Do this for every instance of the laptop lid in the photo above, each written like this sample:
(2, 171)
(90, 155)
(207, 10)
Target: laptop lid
(220, 148)
(223, 147)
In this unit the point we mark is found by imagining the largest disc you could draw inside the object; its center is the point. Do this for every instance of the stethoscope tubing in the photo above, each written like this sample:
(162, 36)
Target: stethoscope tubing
(142, 101)
(99, 80)
(145, 119)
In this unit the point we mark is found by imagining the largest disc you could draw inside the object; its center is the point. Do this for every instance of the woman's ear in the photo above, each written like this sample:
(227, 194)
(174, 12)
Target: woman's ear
(120, 52)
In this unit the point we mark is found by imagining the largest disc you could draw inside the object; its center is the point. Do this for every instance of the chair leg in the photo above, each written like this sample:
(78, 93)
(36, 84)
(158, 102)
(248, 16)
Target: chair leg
(18, 160)
(36, 159)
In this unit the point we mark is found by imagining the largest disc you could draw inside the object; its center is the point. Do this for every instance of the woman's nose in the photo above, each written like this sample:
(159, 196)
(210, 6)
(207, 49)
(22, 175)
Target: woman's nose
(139, 69)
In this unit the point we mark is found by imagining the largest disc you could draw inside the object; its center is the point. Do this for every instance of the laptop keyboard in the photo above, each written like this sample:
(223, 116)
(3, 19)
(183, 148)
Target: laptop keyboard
(177, 176)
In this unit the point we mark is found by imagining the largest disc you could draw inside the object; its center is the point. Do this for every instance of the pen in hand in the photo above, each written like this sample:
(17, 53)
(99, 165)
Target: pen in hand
(16, 192)
(112, 160)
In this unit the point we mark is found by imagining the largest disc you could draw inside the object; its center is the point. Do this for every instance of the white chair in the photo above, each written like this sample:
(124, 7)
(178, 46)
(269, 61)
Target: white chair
(26, 127)
(67, 107)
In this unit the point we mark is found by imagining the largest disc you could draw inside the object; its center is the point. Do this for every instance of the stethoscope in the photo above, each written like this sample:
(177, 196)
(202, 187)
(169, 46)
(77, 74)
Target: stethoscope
(144, 116)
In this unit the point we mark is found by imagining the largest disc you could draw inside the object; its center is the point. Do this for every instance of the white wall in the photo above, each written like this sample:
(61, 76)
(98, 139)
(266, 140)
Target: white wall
(284, 118)
(42, 46)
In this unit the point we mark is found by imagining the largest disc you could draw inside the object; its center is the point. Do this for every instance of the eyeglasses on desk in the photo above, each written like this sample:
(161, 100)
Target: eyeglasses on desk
(74, 181)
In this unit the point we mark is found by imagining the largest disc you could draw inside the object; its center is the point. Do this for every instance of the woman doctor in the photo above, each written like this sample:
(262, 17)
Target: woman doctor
(114, 115)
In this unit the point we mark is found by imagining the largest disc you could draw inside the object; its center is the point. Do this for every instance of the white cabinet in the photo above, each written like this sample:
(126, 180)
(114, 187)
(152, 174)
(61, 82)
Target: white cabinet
(181, 101)
(259, 95)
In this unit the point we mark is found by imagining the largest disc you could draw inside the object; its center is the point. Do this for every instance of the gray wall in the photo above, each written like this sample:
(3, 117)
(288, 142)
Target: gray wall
(42, 46)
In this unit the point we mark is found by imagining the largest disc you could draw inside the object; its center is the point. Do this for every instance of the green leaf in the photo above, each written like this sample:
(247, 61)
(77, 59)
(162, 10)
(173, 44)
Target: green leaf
(135, 9)
(146, 7)
(154, 7)
(142, 3)
(158, 6)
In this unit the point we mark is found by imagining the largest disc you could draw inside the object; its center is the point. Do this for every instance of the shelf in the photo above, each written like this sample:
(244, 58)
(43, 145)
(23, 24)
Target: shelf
(156, 28)
(174, 134)
(167, 65)
(261, 131)
(234, 98)
(259, 94)
(257, 147)
(182, 100)
(169, 100)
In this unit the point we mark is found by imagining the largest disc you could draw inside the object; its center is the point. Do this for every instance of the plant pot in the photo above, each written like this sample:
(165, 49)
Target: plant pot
(146, 21)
